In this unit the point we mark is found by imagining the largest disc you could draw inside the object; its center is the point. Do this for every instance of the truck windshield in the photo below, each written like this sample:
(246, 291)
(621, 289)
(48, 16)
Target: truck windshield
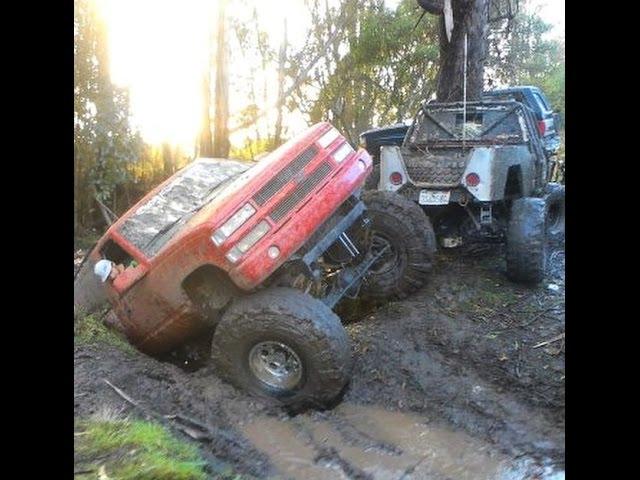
(158, 219)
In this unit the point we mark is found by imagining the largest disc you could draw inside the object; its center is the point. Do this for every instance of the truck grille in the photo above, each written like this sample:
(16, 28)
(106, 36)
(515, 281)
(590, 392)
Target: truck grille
(435, 170)
(285, 175)
(284, 206)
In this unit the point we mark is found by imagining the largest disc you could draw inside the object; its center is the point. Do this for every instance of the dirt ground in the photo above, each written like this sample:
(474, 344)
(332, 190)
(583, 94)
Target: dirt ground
(462, 380)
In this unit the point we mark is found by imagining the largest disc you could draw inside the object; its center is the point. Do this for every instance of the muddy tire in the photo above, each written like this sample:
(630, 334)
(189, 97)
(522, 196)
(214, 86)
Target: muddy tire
(403, 225)
(284, 345)
(527, 241)
(554, 198)
(372, 181)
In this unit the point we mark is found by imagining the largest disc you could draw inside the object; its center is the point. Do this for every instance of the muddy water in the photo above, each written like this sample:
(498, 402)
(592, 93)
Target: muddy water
(367, 442)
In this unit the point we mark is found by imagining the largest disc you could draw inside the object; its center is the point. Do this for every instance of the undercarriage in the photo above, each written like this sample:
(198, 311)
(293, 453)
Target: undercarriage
(336, 260)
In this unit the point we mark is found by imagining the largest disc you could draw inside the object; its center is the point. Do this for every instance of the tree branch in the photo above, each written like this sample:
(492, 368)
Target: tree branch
(301, 77)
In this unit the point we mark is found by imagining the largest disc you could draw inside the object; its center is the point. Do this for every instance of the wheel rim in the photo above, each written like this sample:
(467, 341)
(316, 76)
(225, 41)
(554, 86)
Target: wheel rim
(275, 364)
(389, 259)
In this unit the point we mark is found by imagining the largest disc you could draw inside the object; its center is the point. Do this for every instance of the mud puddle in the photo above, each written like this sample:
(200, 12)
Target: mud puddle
(364, 442)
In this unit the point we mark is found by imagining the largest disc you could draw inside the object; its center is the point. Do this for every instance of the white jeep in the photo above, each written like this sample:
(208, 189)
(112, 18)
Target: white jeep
(481, 174)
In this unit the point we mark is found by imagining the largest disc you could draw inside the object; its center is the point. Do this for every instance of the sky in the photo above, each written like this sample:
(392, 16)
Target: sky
(551, 11)
(159, 50)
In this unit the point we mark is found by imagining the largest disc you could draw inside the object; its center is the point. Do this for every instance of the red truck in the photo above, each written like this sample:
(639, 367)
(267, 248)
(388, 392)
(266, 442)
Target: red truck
(261, 253)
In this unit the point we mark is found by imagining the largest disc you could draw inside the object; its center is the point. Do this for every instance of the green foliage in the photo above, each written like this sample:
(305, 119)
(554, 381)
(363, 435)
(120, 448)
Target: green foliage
(252, 149)
(135, 449)
(522, 55)
(89, 329)
(376, 71)
(104, 143)
(552, 85)
(381, 66)
(371, 66)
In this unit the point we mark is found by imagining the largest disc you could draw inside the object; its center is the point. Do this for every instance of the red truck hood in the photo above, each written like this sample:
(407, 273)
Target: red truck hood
(201, 192)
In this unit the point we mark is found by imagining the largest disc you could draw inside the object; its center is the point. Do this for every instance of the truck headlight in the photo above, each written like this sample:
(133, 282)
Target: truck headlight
(231, 225)
(343, 152)
(248, 241)
(325, 140)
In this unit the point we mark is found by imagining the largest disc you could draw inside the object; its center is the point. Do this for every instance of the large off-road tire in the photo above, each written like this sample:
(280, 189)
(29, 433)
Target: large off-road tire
(372, 181)
(527, 240)
(284, 345)
(403, 225)
(554, 198)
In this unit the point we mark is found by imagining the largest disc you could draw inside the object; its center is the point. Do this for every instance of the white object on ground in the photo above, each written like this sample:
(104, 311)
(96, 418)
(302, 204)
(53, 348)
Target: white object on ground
(102, 269)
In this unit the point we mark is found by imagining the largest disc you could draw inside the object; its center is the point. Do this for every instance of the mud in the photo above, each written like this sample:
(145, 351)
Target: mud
(450, 383)
(193, 187)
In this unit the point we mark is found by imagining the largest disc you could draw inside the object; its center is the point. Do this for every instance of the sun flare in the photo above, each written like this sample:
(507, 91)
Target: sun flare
(159, 50)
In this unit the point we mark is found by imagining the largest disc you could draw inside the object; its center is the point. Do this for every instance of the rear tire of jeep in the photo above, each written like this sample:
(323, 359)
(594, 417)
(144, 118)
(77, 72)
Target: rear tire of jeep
(372, 181)
(403, 225)
(527, 241)
(554, 198)
(283, 345)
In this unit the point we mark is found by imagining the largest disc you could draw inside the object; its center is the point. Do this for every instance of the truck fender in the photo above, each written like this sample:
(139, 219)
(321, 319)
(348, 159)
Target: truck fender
(391, 161)
(480, 163)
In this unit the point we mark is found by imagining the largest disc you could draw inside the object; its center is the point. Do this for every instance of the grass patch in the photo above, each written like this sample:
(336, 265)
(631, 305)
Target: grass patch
(89, 329)
(490, 298)
(126, 449)
(498, 298)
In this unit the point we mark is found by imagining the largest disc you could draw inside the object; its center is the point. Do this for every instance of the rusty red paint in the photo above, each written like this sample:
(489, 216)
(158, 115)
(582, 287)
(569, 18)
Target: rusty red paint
(149, 301)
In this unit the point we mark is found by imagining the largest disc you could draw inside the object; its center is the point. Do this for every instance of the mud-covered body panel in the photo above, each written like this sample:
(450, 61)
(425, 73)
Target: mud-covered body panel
(449, 170)
(445, 144)
(149, 298)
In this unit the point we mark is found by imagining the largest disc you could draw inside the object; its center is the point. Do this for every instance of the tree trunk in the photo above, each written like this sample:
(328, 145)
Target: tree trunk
(205, 143)
(281, 61)
(221, 117)
(432, 6)
(470, 17)
(168, 161)
(76, 192)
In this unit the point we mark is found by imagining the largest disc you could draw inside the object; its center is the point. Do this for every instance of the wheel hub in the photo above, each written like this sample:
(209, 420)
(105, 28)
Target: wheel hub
(389, 258)
(275, 364)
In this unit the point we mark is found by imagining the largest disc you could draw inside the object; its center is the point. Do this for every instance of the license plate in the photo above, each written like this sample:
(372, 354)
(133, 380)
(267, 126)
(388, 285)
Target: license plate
(432, 197)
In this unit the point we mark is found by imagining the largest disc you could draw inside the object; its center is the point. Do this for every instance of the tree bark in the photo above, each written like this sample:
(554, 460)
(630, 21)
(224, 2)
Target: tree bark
(281, 61)
(168, 162)
(205, 143)
(470, 17)
(432, 6)
(221, 118)
(302, 76)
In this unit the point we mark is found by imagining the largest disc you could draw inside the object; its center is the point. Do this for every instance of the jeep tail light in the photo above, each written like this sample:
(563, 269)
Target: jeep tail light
(542, 127)
(248, 241)
(472, 179)
(395, 178)
(231, 225)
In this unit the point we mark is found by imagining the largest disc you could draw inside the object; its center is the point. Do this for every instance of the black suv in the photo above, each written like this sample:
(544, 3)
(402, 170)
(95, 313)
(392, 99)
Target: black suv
(532, 97)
